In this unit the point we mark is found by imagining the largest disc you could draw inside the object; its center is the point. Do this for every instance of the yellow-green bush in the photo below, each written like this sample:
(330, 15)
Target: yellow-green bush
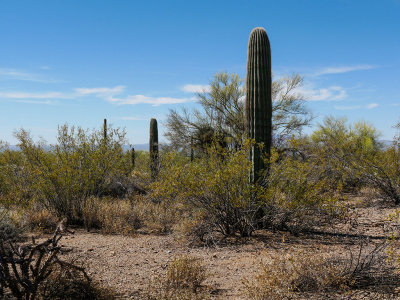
(216, 184)
(63, 176)
(297, 195)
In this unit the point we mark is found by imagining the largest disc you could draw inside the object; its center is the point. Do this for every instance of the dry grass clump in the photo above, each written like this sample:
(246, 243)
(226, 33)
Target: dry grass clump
(287, 273)
(38, 218)
(8, 229)
(294, 274)
(158, 217)
(112, 216)
(195, 229)
(183, 280)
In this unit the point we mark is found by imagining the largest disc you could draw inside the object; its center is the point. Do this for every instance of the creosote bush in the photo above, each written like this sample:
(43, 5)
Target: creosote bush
(296, 196)
(63, 176)
(216, 184)
(217, 197)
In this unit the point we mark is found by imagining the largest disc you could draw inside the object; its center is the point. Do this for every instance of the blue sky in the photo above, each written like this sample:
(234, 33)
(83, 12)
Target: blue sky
(129, 61)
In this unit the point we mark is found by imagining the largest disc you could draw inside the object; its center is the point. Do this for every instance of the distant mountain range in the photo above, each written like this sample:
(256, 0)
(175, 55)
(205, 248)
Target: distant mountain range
(386, 143)
(125, 147)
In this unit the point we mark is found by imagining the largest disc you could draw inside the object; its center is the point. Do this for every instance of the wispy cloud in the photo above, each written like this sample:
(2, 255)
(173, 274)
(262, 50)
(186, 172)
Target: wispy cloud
(195, 88)
(141, 99)
(47, 102)
(24, 95)
(108, 94)
(13, 74)
(372, 105)
(342, 69)
(101, 91)
(332, 93)
(353, 107)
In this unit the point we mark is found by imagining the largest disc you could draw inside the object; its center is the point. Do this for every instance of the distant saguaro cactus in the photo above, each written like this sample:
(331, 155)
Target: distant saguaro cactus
(105, 130)
(153, 147)
(258, 106)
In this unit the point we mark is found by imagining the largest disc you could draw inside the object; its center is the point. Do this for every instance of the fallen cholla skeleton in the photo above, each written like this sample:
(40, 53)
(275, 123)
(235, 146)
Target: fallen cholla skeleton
(23, 269)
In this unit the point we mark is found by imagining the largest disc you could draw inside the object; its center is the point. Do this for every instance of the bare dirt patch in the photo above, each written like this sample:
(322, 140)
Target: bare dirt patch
(128, 264)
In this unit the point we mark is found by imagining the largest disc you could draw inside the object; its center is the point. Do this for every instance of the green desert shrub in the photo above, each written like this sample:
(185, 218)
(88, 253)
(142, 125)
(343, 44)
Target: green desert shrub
(63, 176)
(296, 196)
(344, 150)
(216, 184)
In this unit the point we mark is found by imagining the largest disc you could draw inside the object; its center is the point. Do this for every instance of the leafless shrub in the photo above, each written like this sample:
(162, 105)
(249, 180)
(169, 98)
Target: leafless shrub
(23, 269)
(70, 284)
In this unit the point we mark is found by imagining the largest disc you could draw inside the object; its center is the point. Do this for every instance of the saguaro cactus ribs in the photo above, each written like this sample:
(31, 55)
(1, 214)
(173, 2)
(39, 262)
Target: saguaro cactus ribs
(258, 105)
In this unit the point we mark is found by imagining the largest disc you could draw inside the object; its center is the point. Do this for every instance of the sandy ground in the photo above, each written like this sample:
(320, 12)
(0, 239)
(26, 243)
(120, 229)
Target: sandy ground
(128, 264)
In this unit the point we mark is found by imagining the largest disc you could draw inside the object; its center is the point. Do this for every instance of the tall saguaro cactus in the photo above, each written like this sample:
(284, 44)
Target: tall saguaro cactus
(258, 106)
(153, 147)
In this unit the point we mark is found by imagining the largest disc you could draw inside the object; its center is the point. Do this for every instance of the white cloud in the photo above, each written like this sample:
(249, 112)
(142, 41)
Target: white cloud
(13, 74)
(138, 99)
(108, 94)
(332, 93)
(23, 95)
(342, 69)
(195, 88)
(47, 102)
(372, 105)
(101, 91)
(348, 107)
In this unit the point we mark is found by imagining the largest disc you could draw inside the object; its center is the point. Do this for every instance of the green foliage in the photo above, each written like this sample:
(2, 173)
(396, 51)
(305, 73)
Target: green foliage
(222, 114)
(216, 184)
(15, 179)
(216, 191)
(353, 156)
(344, 150)
(297, 196)
(63, 176)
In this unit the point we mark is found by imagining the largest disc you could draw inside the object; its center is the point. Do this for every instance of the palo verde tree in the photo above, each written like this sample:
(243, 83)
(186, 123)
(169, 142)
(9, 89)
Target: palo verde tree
(221, 112)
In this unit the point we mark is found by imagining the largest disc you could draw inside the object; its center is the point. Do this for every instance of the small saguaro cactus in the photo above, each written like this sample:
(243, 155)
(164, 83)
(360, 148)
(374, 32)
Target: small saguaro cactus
(258, 105)
(153, 147)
